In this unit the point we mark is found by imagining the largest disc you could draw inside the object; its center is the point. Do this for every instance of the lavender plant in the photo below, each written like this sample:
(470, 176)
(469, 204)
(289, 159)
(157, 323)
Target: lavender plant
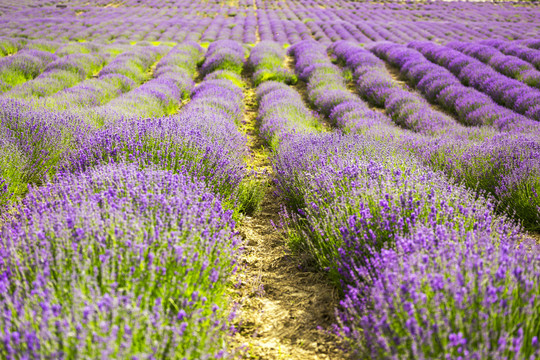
(117, 263)
(446, 293)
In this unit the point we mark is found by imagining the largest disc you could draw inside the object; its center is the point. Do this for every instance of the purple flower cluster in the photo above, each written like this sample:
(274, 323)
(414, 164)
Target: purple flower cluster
(116, 262)
(446, 294)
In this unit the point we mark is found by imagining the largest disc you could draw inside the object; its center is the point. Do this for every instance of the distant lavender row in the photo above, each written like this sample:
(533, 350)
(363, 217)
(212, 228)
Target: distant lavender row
(505, 91)
(9, 46)
(286, 22)
(266, 59)
(124, 73)
(532, 56)
(75, 63)
(376, 85)
(172, 82)
(437, 84)
(508, 65)
(328, 92)
(282, 112)
(28, 61)
(23, 66)
(224, 55)
(60, 74)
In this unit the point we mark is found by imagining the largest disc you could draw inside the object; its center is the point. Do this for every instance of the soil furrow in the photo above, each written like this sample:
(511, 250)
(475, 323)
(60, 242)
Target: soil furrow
(287, 307)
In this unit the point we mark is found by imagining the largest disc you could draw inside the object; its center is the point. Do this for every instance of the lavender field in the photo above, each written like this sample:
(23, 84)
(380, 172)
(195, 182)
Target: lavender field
(255, 179)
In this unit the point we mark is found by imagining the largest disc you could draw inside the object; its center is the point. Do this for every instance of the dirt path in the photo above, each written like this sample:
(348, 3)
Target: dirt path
(256, 13)
(283, 301)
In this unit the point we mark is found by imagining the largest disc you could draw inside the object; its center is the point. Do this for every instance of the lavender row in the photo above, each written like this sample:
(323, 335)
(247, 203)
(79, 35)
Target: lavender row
(35, 57)
(60, 74)
(347, 195)
(508, 65)
(267, 59)
(505, 91)
(224, 55)
(9, 46)
(439, 85)
(75, 63)
(529, 55)
(152, 280)
(282, 113)
(124, 73)
(351, 197)
(33, 142)
(442, 293)
(328, 92)
(376, 85)
(23, 66)
(531, 43)
(172, 83)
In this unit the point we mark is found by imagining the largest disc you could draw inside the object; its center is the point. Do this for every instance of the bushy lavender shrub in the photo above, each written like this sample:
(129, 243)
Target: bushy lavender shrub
(117, 262)
(443, 293)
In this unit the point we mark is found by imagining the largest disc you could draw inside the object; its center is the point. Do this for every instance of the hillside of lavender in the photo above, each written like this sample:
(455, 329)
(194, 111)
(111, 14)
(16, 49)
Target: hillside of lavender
(403, 143)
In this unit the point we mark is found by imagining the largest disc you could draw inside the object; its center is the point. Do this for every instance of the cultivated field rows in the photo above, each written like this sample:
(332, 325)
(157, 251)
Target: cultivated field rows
(248, 21)
(139, 177)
